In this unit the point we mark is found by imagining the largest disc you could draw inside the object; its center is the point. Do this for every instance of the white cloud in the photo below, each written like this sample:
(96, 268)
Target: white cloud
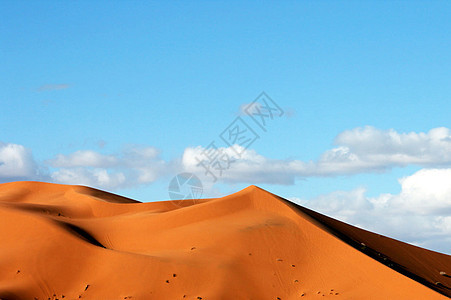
(372, 150)
(16, 162)
(83, 158)
(426, 192)
(388, 147)
(252, 167)
(134, 165)
(419, 214)
(248, 167)
(91, 177)
(361, 150)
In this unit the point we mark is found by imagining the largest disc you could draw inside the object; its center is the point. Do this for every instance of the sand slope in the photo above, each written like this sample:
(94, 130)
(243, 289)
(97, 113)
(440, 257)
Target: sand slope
(72, 242)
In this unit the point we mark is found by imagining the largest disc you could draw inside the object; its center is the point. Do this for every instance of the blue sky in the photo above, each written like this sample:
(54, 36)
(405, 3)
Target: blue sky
(123, 79)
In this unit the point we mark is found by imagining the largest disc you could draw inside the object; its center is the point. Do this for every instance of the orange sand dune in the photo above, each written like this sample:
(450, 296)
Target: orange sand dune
(72, 242)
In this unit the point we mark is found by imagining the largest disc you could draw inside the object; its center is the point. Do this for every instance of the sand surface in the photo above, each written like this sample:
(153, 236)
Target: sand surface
(72, 242)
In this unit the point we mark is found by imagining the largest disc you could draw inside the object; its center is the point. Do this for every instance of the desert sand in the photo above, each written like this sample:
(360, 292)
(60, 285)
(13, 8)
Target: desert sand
(74, 242)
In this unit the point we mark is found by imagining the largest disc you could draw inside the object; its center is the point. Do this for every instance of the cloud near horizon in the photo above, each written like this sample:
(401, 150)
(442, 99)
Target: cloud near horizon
(17, 163)
(360, 150)
(133, 166)
(419, 214)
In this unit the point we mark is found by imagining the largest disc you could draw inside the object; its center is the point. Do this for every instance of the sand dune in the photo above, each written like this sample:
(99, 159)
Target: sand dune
(72, 242)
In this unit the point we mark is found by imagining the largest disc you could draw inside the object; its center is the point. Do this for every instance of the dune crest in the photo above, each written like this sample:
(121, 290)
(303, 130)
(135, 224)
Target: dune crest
(73, 242)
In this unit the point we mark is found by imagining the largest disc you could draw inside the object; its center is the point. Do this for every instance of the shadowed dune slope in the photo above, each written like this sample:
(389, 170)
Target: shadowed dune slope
(420, 264)
(73, 242)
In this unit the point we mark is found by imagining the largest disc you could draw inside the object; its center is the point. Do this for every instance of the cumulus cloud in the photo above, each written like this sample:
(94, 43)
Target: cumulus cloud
(236, 164)
(16, 163)
(369, 149)
(388, 147)
(85, 158)
(428, 191)
(133, 166)
(251, 167)
(419, 214)
(97, 177)
(361, 150)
